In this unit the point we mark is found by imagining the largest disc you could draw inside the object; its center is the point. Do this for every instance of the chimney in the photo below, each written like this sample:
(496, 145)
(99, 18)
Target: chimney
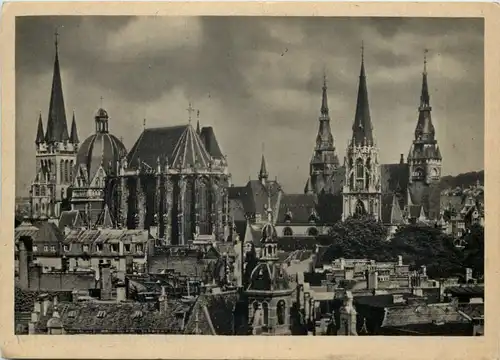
(398, 299)
(24, 256)
(55, 301)
(121, 292)
(400, 260)
(342, 263)
(402, 159)
(163, 300)
(468, 275)
(372, 282)
(105, 279)
(45, 303)
(424, 270)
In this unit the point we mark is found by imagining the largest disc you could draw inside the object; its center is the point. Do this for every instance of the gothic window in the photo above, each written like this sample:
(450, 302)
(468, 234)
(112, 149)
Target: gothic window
(360, 208)
(418, 173)
(281, 311)
(265, 311)
(202, 212)
(37, 191)
(312, 231)
(36, 208)
(62, 194)
(255, 306)
(42, 191)
(66, 171)
(359, 169)
(287, 231)
(71, 171)
(43, 207)
(61, 170)
(188, 208)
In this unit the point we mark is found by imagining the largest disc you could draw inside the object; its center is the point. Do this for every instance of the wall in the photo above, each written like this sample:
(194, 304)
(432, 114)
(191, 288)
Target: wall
(60, 281)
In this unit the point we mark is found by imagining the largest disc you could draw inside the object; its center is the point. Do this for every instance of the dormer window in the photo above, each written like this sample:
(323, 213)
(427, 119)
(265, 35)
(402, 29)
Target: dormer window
(288, 216)
(126, 247)
(66, 248)
(35, 248)
(114, 247)
(139, 248)
(101, 314)
(85, 248)
(98, 247)
(53, 249)
(45, 248)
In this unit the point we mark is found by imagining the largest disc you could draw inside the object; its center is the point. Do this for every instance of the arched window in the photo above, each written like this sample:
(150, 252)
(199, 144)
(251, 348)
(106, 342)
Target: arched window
(265, 311)
(281, 312)
(360, 208)
(62, 194)
(42, 191)
(287, 231)
(61, 170)
(359, 169)
(37, 191)
(312, 231)
(255, 306)
(66, 171)
(71, 171)
(36, 209)
(43, 207)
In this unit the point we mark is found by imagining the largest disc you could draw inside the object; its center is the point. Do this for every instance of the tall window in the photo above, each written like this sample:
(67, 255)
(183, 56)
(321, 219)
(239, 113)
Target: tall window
(360, 208)
(71, 171)
(281, 312)
(265, 311)
(202, 208)
(61, 170)
(312, 231)
(359, 168)
(66, 172)
(188, 209)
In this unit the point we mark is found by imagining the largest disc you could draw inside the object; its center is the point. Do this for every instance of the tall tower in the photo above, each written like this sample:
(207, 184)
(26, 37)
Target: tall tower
(324, 162)
(55, 153)
(263, 174)
(424, 158)
(361, 193)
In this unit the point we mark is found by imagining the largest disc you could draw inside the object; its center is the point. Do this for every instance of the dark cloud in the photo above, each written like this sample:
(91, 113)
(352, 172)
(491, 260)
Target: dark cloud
(257, 80)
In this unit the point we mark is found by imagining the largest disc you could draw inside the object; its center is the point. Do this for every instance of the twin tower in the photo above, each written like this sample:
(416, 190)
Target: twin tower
(362, 181)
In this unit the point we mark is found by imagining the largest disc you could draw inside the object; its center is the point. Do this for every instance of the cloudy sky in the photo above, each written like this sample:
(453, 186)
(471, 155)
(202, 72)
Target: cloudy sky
(257, 80)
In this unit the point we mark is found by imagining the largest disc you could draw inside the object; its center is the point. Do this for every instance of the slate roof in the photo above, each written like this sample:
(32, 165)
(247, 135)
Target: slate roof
(297, 206)
(362, 128)
(24, 300)
(394, 179)
(254, 196)
(190, 151)
(391, 210)
(329, 208)
(207, 135)
(292, 243)
(115, 318)
(476, 290)
(42, 232)
(212, 314)
(473, 311)
(421, 314)
(268, 277)
(69, 218)
(155, 143)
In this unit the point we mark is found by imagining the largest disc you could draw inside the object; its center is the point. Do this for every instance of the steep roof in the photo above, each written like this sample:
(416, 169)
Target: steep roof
(296, 208)
(207, 135)
(40, 137)
(190, 151)
(155, 143)
(391, 210)
(362, 129)
(42, 232)
(57, 127)
(73, 138)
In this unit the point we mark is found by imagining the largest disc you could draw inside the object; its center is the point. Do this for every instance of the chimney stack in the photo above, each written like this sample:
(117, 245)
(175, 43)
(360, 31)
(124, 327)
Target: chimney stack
(468, 275)
(121, 292)
(163, 300)
(400, 260)
(402, 159)
(424, 270)
(372, 281)
(105, 279)
(24, 256)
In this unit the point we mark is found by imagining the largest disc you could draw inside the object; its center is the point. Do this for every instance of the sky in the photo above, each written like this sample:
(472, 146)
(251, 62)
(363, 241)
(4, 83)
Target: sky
(257, 81)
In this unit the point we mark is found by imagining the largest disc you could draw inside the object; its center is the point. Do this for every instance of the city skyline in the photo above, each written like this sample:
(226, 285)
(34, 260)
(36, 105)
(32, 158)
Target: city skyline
(261, 78)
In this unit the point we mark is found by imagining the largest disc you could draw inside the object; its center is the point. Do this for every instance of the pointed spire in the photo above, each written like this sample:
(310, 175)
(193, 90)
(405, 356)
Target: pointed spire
(263, 174)
(198, 131)
(324, 99)
(74, 134)
(57, 127)
(39, 132)
(362, 127)
(424, 97)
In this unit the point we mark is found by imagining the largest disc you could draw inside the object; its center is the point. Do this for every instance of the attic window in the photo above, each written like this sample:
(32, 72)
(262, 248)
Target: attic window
(72, 314)
(137, 314)
(101, 314)
(85, 248)
(53, 248)
(66, 247)
(35, 248)
(138, 248)
(45, 248)
(98, 247)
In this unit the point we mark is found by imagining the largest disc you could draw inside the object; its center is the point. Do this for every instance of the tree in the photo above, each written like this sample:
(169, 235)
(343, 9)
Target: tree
(357, 237)
(474, 249)
(426, 245)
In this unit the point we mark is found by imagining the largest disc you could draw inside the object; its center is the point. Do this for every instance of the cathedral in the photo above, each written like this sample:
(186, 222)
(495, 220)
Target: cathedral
(173, 181)
(391, 193)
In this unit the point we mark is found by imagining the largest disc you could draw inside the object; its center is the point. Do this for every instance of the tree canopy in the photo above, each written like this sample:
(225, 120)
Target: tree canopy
(418, 245)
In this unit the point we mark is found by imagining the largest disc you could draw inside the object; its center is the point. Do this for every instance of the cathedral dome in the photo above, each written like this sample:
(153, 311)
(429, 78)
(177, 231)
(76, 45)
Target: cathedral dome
(269, 277)
(100, 149)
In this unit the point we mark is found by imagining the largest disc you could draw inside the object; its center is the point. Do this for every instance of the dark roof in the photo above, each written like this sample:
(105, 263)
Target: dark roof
(68, 219)
(116, 318)
(391, 210)
(297, 206)
(57, 127)
(100, 149)
(362, 129)
(190, 151)
(40, 232)
(466, 290)
(254, 196)
(24, 300)
(394, 178)
(155, 143)
(40, 137)
(379, 301)
(421, 314)
(236, 209)
(207, 135)
(212, 314)
(329, 208)
(292, 243)
(268, 277)
(74, 133)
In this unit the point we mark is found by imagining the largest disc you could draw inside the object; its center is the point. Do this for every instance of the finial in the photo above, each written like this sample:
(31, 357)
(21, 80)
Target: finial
(101, 101)
(362, 51)
(190, 110)
(425, 60)
(56, 35)
(144, 123)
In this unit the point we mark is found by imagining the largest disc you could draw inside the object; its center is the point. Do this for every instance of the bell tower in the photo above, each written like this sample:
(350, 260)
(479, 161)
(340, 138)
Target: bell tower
(56, 151)
(361, 193)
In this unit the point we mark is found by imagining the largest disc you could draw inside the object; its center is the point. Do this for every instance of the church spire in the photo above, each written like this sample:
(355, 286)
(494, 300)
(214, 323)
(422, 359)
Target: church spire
(324, 139)
(362, 127)
(57, 127)
(425, 129)
(73, 138)
(324, 99)
(263, 174)
(39, 132)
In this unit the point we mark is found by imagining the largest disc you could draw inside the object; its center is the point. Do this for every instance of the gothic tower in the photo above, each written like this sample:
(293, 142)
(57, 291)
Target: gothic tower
(424, 158)
(56, 151)
(324, 163)
(361, 193)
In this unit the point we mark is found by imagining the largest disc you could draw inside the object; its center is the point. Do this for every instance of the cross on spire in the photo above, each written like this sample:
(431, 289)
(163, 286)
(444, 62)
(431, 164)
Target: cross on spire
(362, 51)
(56, 35)
(144, 123)
(190, 110)
(425, 60)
